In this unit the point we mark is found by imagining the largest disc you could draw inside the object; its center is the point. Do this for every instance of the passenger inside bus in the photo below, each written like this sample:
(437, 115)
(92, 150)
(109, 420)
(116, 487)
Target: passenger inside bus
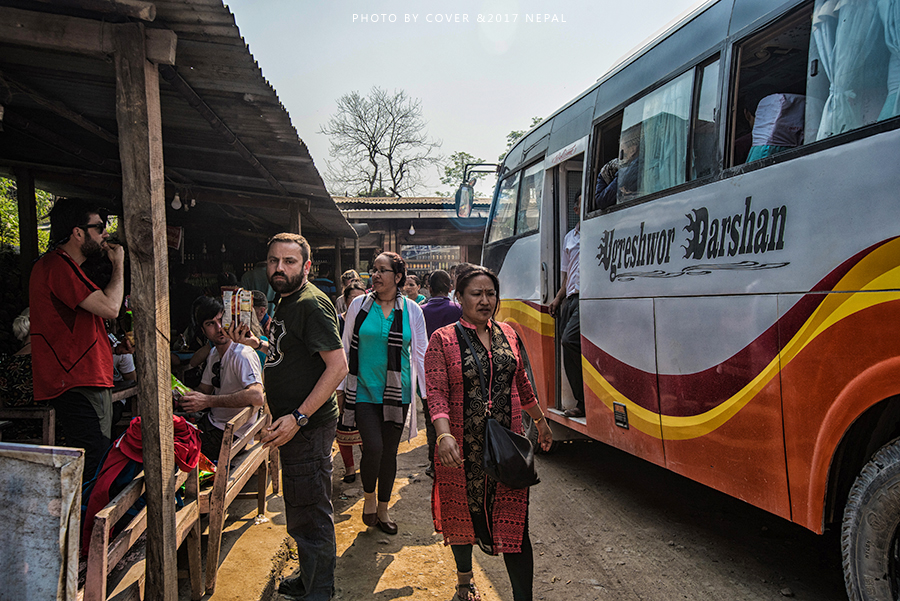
(778, 125)
(606, 189)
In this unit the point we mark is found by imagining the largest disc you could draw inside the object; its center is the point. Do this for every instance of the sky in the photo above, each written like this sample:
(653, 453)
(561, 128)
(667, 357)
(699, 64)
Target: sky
(481, 68)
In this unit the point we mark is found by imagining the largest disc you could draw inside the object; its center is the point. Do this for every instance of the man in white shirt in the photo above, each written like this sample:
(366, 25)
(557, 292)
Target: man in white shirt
(565, 304)
(231, 381)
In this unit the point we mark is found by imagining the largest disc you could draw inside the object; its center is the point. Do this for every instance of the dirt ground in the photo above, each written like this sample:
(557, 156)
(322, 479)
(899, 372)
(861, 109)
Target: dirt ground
(605, 526)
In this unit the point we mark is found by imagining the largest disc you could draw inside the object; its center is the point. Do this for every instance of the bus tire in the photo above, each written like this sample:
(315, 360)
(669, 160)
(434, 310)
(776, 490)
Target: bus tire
(870, 538)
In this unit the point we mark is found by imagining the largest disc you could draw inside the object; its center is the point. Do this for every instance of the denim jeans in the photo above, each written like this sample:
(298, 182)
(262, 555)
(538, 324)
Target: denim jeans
(306, 476)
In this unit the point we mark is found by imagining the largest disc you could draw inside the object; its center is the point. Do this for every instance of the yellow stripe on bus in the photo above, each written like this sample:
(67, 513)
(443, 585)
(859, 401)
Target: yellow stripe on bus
(877, 271)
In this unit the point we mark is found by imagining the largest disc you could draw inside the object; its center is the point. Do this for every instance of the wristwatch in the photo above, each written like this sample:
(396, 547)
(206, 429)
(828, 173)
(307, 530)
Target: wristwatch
(302, 420)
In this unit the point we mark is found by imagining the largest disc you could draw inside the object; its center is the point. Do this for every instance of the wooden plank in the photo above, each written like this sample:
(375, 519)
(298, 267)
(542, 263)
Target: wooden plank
(145, 11)
(294, 221)
(77, 35)
(28, 239)
(141, 154)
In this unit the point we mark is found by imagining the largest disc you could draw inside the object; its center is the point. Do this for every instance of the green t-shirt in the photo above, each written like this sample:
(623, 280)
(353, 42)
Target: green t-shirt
(304, 325)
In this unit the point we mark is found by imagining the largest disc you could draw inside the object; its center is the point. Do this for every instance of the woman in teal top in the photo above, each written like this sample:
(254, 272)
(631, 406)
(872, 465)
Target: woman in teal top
(385, 341)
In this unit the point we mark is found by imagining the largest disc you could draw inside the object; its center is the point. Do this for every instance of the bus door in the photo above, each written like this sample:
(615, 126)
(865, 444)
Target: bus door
(566, 181)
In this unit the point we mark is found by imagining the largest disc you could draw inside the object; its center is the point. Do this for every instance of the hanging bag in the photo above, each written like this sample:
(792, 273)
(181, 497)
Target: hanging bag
(508, 457)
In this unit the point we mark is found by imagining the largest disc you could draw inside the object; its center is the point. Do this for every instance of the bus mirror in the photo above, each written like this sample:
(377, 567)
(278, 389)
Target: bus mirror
(464, 199)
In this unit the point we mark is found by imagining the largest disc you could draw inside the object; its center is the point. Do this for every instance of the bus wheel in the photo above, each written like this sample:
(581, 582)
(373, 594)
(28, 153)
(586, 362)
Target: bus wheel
(531, 432)
(870, 537)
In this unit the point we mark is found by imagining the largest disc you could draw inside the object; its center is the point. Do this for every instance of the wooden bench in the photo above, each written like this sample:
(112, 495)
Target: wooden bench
(104, 553)
(238, 462)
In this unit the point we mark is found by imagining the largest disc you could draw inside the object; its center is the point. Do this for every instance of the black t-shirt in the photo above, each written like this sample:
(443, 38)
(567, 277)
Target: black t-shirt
(305, 324)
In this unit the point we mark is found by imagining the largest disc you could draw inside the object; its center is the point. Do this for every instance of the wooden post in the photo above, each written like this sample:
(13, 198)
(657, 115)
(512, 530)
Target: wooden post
(141, 153)
(294, 220)
(356, 253)
(338, 268)
(28, 238)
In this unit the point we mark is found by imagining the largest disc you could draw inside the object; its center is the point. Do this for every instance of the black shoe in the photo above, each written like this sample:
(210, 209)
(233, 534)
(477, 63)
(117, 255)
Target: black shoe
(292, 587)
(429, 471)
(388, 527)
(349, 478)
(574, 412)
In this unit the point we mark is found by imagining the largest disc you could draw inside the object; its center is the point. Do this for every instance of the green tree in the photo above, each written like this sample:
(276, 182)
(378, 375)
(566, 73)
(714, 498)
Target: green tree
(514, 136)
(9, 215)
(453, 171)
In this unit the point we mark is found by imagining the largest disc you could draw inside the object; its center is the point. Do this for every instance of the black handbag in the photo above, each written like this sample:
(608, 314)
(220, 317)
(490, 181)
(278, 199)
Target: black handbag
(508, 457)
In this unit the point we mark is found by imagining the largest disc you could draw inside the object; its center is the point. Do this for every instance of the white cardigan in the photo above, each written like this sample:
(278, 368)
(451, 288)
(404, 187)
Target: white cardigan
(418, 345)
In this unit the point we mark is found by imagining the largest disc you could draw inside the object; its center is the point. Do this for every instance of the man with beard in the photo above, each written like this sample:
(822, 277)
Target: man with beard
(305, 364)
(71, 354)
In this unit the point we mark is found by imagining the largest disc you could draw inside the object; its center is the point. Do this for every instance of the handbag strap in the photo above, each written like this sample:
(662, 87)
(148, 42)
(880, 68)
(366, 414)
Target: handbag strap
(481, 379)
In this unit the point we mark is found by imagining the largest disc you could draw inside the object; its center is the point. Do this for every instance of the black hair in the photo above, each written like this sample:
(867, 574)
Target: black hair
(415, 279)
(398, 265)
(465, 278)
(440, 282)
(69, 213)
(205, 308)
(354, 285)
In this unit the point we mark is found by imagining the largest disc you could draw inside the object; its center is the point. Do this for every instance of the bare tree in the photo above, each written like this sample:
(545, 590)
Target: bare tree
(379, 141)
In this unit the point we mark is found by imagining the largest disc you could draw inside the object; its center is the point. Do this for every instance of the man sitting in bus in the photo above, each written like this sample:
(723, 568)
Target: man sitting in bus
(566, 304)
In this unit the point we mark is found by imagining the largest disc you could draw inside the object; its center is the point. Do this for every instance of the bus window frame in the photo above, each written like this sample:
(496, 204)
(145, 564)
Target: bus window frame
(520, 171)
(707, 58)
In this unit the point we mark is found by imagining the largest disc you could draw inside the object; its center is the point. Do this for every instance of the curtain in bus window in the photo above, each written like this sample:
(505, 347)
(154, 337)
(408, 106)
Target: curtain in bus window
(664, 135)
(505, 213)
(889, 11)
(845, 32)
(530, 200)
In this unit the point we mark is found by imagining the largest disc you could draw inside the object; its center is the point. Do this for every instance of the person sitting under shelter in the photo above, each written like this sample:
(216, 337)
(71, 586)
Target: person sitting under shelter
(231, 381)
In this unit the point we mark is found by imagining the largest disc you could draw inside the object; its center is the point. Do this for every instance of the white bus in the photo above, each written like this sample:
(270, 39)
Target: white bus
(740, 274)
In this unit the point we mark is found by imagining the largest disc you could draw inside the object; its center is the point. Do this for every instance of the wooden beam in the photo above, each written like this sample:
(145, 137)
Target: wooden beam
(294, 221)
(135, 9)
(194, 99)
(141, 152)
(81, 36)
(51, 138)
(59, 108)
(338, 268)
(28, 238)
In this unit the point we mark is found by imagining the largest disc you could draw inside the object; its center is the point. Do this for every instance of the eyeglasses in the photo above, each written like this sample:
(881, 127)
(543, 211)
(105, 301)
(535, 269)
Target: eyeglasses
(216, 369)
(100, 227)
(382, 271)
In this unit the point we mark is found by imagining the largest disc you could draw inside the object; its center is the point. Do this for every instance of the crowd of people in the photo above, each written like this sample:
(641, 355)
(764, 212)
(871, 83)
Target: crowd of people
(351, 375)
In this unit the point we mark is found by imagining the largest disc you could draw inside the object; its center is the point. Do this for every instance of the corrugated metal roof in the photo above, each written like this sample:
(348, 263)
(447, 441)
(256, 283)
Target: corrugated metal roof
(431, 203)
(213, 63)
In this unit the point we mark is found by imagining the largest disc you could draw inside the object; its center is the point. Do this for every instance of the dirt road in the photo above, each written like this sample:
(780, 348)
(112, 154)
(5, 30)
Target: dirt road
(605, 526)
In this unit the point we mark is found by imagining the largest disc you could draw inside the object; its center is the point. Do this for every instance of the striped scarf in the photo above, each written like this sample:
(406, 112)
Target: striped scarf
(392, 401)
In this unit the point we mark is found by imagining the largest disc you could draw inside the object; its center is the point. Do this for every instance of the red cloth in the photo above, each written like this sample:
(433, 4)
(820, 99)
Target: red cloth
(450, 509)
(129, 447)
(69, 344)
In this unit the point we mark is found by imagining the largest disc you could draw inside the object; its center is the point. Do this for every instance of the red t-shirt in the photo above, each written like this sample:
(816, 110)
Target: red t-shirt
(69, 345)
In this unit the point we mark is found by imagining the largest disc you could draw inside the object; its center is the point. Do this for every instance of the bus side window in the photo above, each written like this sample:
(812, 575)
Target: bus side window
(504, 219)
(653, 152)
(704, 140)
(602, 194)
(771, 89)
(529, 215)
(853, 78)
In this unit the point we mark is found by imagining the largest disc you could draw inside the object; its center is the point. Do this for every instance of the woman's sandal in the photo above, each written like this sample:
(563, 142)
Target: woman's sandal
(467, 592)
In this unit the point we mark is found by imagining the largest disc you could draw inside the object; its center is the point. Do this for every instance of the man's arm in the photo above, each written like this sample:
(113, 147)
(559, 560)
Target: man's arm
(106, 303)
(195, 400)
(286, 426)
(558, 299)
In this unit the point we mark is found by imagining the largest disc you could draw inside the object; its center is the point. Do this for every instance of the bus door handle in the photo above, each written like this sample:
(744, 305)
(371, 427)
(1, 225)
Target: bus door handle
(544, 283)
